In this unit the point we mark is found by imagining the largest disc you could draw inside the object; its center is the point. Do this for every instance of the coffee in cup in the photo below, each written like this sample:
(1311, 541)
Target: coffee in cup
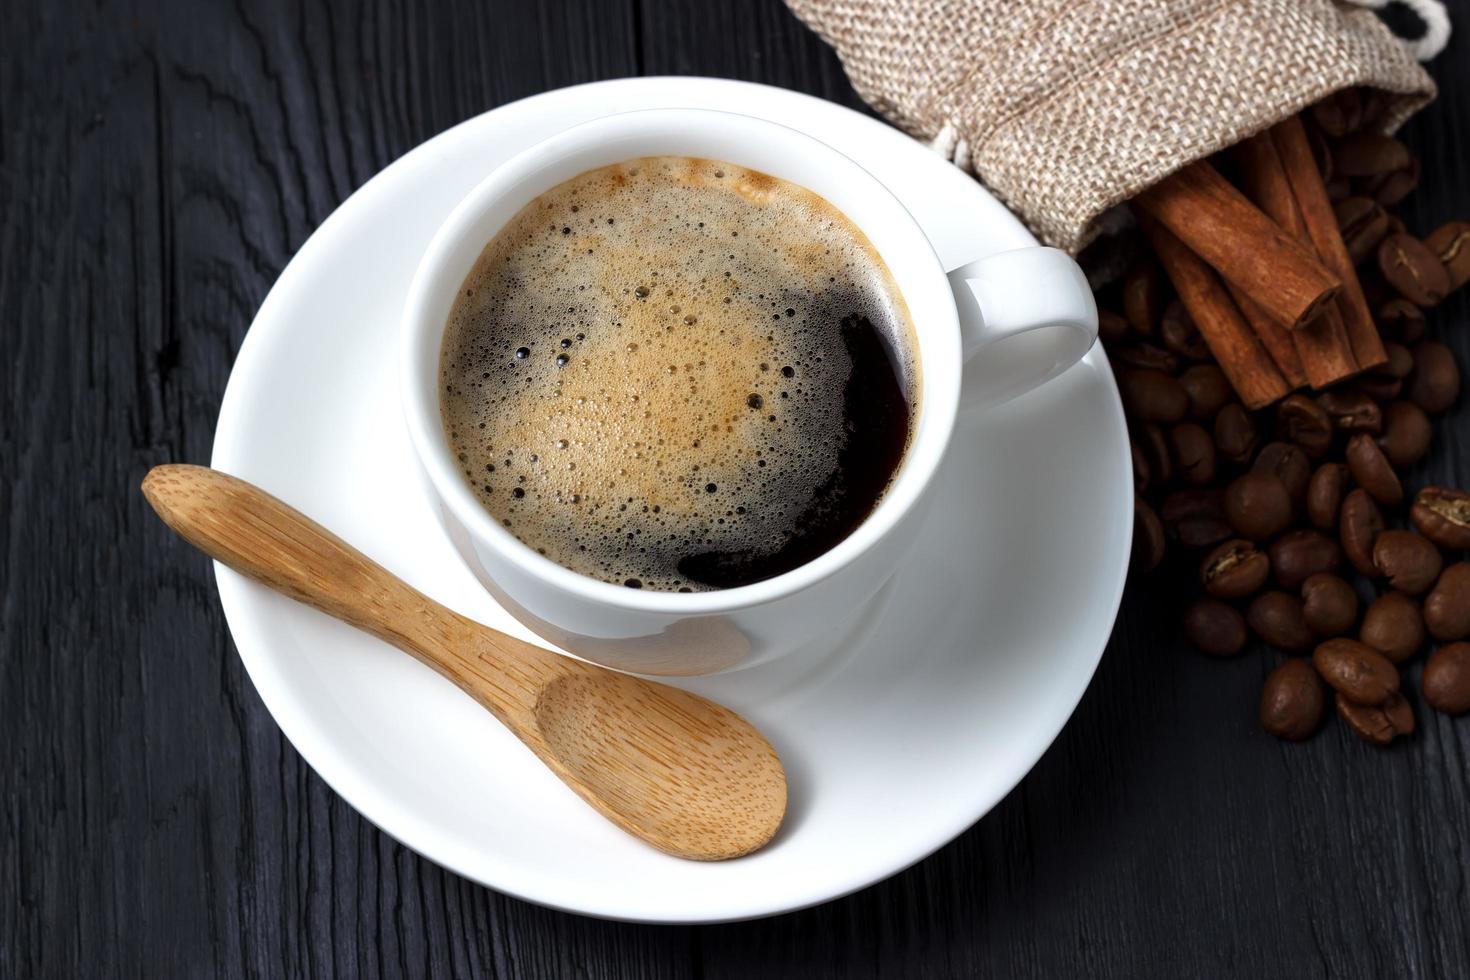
(679, 374)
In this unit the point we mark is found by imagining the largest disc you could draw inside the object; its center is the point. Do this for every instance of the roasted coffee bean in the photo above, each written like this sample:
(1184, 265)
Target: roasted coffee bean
(1292, 700)
(1155, 445)
(1112, 329)
(1257, 506)
(1442, 515)
(1321, 152)
(1401, 320)
(1409, 561)
(1144, 356)
(1379, 724)
(1153, 396)
(1215, 628)
(1148, 537)
(1447, 679)
(1324, 495)
(1379, 387)
(1235, 433)
(1234, 570)
(1179, 334)
(1384, 384)
(1412, 269)
(1349, 410)
(1140, 467)
(1391, 188)
(1302, 421)
(1406, 434)
(1143, 296)
(1394, 626)
(1329, 604)
(1435, 383)
(1340, 114)
(1368, 154)
(1277, 618)
(1355, 670)
(1208, 391)
(1451, 243)
(1338, 189)
(1289, 465)
(1196, 518)
(1364, 224)
(1447, 606)
(1194, 454)
(1375, 103)
(1359, 526)
(1400, 361)
(1298, 555)
(1372, 471)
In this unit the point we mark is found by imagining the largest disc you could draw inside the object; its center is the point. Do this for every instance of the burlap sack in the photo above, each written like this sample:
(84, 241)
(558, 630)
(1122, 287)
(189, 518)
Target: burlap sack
(1066, 107)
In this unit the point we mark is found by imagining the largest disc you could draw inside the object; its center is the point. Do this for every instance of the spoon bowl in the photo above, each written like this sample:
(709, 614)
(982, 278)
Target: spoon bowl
(696, 777)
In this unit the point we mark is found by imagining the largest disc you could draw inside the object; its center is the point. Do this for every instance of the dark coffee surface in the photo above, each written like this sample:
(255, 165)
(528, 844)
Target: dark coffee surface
(679, 374)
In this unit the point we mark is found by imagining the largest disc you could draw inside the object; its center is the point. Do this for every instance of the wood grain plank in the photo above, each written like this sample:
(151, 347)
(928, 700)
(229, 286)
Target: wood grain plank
(159, 164)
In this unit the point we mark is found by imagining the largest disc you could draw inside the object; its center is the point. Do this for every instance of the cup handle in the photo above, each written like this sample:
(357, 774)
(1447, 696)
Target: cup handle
(1030, 312)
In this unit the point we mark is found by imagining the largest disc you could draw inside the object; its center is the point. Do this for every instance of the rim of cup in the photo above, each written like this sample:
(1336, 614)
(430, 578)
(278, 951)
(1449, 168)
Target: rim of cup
(757, 144)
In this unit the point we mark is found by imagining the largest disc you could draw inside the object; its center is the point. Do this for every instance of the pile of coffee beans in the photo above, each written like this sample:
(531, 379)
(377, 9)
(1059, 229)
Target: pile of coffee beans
(1297, 517)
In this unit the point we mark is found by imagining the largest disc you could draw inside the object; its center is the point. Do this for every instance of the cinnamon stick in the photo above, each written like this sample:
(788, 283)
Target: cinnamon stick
(1325, 348)
(1290, 141)
(1242, 358)
(1322, 343)
(1243, 245)
(1263, 178)
(1277, 339)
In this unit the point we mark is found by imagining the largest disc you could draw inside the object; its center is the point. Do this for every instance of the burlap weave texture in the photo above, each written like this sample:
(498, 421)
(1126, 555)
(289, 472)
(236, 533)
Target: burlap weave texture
(1066, 107)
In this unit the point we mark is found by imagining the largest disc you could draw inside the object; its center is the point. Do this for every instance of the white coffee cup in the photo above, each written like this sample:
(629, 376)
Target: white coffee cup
(986, 332)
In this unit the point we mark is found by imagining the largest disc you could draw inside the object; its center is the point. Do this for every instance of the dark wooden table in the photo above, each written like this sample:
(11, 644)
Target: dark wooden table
(159, 165)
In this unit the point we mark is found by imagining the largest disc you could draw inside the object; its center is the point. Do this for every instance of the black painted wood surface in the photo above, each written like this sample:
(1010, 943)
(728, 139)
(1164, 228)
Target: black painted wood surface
(159, 165)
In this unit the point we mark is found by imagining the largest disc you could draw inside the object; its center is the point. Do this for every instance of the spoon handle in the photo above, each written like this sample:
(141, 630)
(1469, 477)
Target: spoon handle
(260, 537)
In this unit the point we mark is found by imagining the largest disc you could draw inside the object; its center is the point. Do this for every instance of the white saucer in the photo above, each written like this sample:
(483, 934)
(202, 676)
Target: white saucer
(909, 731)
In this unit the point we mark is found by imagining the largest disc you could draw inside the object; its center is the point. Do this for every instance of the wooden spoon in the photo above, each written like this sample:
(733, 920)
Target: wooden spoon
(684, 774)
